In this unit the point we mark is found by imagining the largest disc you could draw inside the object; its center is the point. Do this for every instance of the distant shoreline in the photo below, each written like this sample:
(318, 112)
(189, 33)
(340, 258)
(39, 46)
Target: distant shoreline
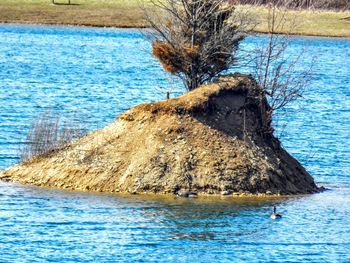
(127, 14)
(137, 28)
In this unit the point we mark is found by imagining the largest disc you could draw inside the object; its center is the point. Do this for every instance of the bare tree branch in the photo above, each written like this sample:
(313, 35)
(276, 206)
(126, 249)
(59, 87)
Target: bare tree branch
(196, 40)
(275, 72)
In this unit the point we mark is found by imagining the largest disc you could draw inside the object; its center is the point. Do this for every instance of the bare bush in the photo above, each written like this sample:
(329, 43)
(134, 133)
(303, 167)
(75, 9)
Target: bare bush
(196, 40)
(48, 133)
(278, 74)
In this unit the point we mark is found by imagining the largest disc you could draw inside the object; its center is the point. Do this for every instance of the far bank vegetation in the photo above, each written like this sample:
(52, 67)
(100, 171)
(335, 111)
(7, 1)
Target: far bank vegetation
(324, 17)
(300, 4)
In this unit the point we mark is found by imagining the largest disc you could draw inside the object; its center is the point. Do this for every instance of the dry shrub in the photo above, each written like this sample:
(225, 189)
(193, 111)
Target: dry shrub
(196, 40)
(48, 133)
(167, 55)
(173, 60)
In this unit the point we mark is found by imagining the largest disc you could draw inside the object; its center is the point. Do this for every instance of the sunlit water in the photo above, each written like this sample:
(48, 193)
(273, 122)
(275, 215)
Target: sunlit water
(92, 75)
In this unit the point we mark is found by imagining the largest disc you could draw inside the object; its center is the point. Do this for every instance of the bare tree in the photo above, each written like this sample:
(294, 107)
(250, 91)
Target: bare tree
(196, 40)
(278, 74)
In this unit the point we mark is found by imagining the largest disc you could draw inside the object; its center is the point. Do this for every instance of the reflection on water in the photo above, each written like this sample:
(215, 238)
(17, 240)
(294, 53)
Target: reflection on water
(62, 225)
(92, 75)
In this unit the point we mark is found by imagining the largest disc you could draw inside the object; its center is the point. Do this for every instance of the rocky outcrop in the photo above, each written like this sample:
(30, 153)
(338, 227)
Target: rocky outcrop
(208, 141)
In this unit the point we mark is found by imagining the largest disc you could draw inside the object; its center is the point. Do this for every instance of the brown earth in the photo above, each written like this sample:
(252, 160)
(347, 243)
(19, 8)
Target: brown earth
(208, 141)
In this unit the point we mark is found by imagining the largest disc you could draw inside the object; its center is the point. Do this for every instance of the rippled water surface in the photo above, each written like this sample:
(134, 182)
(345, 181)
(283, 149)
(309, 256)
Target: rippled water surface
(92, 75)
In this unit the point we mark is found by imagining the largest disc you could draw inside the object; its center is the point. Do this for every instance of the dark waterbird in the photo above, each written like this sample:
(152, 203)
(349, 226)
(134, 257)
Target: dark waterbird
(187, 194)
(275, 215)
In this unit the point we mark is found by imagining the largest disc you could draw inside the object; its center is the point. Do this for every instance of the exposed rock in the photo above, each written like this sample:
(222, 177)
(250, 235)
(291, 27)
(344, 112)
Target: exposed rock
(209, 141)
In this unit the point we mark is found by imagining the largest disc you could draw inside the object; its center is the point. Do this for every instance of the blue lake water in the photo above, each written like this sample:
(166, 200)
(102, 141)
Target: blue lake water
(92, 75)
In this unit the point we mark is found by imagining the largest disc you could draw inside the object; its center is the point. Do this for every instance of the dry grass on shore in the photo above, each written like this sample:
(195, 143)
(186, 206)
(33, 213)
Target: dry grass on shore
(126, 13)
(312, 23)
(108, 13)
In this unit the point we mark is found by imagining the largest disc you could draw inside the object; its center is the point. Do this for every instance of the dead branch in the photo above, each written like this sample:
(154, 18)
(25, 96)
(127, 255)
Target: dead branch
(196, 40)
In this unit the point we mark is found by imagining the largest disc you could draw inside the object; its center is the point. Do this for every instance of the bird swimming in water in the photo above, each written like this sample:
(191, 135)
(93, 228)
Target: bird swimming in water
(275, 215)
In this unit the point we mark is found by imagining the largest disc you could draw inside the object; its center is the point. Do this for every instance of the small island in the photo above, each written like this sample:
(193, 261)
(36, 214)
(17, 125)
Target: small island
(216, 139)
(211, 140)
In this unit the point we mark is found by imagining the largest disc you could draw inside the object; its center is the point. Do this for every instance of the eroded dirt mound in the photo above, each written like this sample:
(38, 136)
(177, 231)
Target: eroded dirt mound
(208, 141)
